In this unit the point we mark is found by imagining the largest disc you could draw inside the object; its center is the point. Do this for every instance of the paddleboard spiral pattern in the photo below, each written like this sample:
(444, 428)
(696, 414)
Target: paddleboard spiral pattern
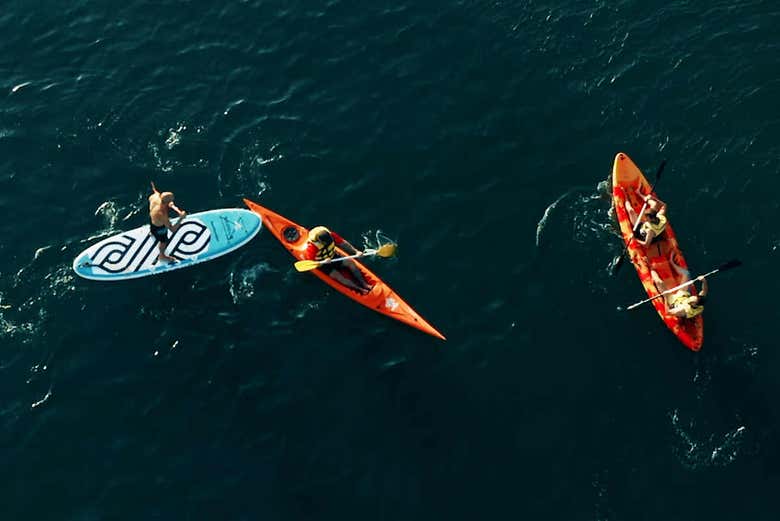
(191, 239)
(130, 254)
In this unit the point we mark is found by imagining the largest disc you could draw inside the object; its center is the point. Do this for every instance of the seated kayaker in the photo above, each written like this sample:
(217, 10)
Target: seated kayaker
(322, 246)
(681, 303)
(655, 219)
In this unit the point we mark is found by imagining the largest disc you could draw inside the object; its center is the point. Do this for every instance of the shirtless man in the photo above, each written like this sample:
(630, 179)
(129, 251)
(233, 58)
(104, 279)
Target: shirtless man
(159, 222)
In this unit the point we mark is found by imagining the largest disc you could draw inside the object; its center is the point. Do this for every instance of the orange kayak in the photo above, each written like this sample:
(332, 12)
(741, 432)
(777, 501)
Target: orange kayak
(381, 298)
(627, 179)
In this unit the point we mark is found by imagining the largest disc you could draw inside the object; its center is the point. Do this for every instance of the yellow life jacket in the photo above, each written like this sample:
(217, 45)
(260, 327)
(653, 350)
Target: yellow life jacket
(657, 228)
(685, 299)
(324, 252)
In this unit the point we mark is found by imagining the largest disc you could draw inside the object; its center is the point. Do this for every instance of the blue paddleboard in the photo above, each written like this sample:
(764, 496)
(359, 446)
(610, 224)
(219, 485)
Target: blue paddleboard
(202, 237)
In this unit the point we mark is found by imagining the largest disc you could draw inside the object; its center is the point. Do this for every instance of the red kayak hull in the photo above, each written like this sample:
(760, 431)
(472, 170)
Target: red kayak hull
(626, 180)
(381, 298)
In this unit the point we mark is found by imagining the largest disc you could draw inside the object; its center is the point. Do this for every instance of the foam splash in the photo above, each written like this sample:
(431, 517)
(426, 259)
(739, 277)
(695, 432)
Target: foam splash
(3, 306)
(747, 357)
(43, 400)
(602, 508)
(112, 214)
(306, 308)
(546, 215)
(60, 281)
(174, 136)
(40, 251)
(245, 159)
(393, 362)
(251, 167)
(162, 165)
(587, 213)
(373, 239)
(242, 284)
(9, 329)
(696, 452)
(109, 210)
(17, 88)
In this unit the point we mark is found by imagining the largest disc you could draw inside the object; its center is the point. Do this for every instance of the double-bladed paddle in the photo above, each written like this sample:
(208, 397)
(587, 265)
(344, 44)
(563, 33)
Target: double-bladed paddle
(733, 263)
(385, 250)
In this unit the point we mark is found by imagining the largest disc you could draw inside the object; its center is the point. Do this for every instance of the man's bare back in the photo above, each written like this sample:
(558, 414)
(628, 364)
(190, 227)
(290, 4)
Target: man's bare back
(159, 205)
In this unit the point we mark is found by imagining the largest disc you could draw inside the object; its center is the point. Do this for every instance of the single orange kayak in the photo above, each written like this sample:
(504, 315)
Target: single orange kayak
(627, 180)
(381, 298)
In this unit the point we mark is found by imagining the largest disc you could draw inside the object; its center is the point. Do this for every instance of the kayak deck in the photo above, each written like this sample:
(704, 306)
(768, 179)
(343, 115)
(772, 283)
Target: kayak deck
(381, 298)
(627, 180)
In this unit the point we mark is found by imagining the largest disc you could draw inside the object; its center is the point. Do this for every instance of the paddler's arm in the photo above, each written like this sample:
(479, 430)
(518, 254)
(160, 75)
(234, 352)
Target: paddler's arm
(182, 215)
(347, 247)
(342, 243)
(648, 237)
(175, 208)
(661, 204)
(174, 227)
(704, 287)
(676, 311)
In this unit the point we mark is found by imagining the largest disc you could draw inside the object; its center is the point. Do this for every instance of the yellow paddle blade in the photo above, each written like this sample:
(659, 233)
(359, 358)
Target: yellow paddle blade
(386, 250)
(306, 265)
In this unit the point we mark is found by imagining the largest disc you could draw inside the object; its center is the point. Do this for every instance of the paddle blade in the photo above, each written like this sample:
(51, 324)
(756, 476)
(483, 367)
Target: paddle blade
(306, 265)
(617, 262)
(386, 250)
(660, 171)
(733, 263)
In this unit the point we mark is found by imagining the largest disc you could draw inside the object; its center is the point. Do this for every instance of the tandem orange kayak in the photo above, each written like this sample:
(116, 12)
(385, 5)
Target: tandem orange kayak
(627, 180)
(381, 298)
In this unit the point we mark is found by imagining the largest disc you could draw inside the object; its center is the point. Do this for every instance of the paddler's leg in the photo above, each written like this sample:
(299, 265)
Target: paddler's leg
(355, 271)
(632, 215)
(346, 281)
(660, 286)
(162, 256)
(684, 273)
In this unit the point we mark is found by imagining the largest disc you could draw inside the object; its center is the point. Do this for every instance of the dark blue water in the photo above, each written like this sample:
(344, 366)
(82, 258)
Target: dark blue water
(478, 135)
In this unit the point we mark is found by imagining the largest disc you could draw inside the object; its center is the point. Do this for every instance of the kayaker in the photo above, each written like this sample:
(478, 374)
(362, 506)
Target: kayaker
(681, 303)
(159, 222)
(655, 213)
(322, 246)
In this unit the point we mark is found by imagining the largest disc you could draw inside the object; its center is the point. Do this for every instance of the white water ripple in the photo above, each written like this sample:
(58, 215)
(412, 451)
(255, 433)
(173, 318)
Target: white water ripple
(696, 451)
(242, 283)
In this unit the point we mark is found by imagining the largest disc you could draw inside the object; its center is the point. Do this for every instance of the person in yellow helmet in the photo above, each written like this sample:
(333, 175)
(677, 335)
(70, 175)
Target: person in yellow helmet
(655, 219)
(322, 246)
(681, 303)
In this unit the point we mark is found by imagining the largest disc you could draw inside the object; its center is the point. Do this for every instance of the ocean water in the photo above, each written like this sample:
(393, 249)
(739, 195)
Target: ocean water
(477, 134)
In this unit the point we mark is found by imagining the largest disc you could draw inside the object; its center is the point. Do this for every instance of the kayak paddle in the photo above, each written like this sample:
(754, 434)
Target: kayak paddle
(723, 267)
(385, 250)
(618, 261)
